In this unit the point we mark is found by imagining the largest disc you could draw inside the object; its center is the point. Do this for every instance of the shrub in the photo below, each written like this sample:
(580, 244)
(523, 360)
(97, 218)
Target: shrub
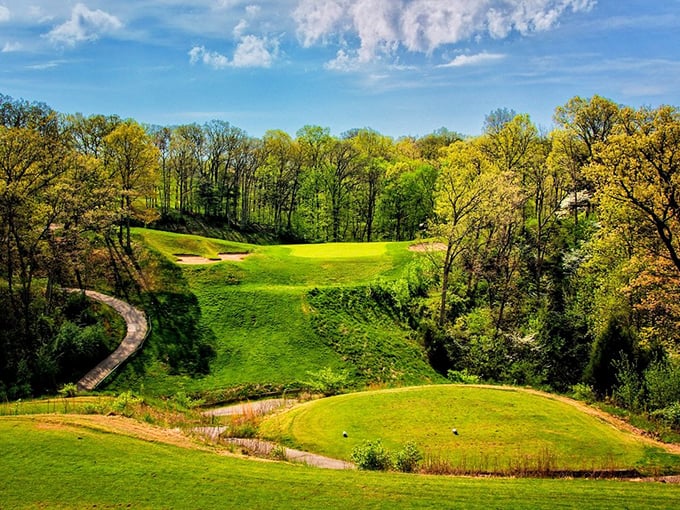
(407, 459)
(583, 392)
(68, 390)
(629, 391)
(182, 401)
(371, 456)
(278, 453)
(125, 403)
(662, 381)
(462, 377)
(327, 381)
(670, 414)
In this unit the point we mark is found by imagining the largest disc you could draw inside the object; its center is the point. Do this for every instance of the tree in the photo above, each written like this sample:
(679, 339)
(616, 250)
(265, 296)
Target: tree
(132, 162)
(281, 175)
(636, 172)
(375, 151)
(339, 177)
(463, 184)
(33, 159)
(590, 120)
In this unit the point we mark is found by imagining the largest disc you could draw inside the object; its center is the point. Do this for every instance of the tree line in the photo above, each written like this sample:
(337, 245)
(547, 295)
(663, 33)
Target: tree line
(556, 252)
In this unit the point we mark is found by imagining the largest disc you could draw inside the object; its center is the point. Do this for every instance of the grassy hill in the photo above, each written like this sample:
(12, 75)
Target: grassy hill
(112, 462)
(499, 430)
(274, 317)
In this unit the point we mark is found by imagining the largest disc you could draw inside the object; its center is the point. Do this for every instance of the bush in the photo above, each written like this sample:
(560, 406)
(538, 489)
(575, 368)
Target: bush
(462, 377)
(629, 391)
(407, 459)
(327, 382)
(125, 404)
(583, 392)
(670, 414)
(69, 390)
(371, 456)
(662, 381)
(278, 453)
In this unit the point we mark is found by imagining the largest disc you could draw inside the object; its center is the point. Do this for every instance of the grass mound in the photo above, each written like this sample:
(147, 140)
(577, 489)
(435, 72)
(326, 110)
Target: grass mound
(107, 462)
(500, 430)
(267, 321)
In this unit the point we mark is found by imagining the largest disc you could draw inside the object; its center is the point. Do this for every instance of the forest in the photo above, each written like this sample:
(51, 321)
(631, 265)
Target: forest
(558, 260)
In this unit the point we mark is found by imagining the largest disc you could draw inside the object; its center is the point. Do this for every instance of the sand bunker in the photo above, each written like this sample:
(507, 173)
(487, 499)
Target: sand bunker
(423, 247)
(187, 258)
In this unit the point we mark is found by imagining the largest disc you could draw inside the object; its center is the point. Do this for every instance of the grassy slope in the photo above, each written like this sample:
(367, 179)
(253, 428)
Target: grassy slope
(86, 466)
(258, 315)
(496, 427)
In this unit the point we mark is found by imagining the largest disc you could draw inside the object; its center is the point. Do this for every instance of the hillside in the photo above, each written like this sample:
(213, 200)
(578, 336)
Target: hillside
(273, 317)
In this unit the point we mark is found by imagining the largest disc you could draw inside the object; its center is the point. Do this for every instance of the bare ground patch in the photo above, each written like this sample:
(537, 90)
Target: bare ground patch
(190, 259)
(426, 247)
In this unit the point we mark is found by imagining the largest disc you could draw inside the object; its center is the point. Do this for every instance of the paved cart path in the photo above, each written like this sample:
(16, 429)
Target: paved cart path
(137, 328)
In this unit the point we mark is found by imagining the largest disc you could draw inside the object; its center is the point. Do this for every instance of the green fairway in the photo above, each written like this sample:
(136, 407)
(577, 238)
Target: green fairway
(266, 329)
(497, 428)
(71, 463)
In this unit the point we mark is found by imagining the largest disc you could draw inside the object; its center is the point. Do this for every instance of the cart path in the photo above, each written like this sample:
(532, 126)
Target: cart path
(256, 407)
(137, 328)
(263, 448)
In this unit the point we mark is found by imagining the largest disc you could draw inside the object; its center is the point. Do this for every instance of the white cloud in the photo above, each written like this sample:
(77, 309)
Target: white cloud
(84, 25)
(253, 10)
(240, 28)
(343, 63)
(469, 60)
(318, 19)
(47, 65)
(10, 47)
(209, 58)
(423, 26)
(252, 51)
(5, 15)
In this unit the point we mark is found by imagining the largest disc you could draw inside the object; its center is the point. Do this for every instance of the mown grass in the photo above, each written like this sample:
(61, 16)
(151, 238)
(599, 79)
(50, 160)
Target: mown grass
(72, 464)
(263, 325)
(499, 429)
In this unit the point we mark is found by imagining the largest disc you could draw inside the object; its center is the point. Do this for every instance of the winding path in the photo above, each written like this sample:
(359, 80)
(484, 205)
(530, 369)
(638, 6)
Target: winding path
(137, 328)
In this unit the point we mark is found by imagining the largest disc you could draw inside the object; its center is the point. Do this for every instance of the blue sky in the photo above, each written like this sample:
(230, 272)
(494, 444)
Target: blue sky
(402, 67)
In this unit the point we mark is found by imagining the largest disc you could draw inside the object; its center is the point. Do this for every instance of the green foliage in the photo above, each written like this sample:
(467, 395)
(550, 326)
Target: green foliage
(628, 391)
(662, 385)
(462, 377)
(613, 344)
(126, 403)
(68, 390)
(583, 392)
(669, 414)
(278, 453)
(408, 458)
(182, 401)
(372, 456)
(327, 382)
(364, 328)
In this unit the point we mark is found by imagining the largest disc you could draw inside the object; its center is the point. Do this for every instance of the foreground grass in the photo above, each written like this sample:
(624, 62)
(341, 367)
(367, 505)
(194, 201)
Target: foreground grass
(498, 429)
(70, 463)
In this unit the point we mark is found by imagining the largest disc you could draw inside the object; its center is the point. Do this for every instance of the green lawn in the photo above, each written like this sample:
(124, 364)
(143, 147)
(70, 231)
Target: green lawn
(71, 466)
(497, 428)
(264, 327)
